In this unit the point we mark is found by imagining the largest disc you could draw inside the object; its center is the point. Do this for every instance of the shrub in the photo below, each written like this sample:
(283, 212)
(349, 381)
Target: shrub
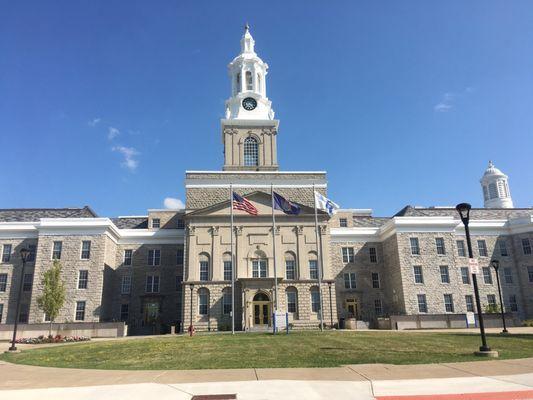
(528, 322)
(53, 339)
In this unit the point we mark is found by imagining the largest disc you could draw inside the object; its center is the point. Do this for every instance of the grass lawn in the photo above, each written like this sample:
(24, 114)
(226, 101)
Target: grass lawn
(258, 350)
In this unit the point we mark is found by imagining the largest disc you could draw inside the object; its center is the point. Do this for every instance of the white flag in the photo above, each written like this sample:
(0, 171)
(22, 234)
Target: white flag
(325, 204)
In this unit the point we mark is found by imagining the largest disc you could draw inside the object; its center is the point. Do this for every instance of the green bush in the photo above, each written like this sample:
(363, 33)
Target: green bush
(528, 322)
(492, 309)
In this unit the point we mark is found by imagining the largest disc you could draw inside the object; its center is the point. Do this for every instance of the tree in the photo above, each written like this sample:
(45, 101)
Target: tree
(53, 296)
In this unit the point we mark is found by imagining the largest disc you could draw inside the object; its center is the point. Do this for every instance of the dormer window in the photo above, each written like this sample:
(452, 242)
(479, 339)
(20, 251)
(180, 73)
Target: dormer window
(156, 223)
(251, 152)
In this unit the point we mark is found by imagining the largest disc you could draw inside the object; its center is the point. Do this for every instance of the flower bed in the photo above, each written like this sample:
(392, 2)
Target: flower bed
(53, 339)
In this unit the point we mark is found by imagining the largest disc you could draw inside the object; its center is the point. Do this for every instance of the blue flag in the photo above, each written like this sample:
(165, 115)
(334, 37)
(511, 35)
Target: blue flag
(288, 207)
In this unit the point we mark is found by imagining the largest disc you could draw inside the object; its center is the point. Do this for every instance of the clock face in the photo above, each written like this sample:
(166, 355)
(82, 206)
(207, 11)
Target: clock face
(249, 103)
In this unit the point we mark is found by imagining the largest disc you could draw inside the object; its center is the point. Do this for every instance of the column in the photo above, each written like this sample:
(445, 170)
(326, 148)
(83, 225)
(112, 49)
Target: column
(216, 274)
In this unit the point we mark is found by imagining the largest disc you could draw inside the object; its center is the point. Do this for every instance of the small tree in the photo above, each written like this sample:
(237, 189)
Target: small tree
(53, 296)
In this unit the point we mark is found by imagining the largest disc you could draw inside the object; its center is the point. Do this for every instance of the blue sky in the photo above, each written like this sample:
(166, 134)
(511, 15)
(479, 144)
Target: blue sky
(107, 103)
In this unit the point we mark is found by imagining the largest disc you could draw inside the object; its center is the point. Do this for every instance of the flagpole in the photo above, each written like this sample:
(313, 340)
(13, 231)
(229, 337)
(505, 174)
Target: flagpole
(319, 263)
(274, 252)
(232, 262)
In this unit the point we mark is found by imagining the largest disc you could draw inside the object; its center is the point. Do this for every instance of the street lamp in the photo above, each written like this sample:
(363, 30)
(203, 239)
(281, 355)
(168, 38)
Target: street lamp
(330, 306)
(24, 253)
(190, 325)
(464, 211)
(496, 265)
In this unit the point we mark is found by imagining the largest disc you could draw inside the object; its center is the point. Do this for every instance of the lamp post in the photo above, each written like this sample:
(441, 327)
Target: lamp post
(191, 286)
(24, 256)
(496, 265)
(330, 306)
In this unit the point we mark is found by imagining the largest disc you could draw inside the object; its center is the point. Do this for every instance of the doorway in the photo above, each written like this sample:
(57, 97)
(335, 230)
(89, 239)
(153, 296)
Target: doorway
(352, 307)
(261, 306)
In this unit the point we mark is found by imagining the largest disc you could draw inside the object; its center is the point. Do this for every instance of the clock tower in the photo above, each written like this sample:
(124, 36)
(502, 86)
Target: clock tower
(249, 130)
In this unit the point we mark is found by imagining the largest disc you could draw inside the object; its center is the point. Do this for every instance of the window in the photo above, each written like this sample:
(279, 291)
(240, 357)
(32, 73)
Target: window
(32, 252)
(24, 313)
(508, 275)
(3, 282)
(439, 242)
(239, 82)
(448, 302)
(465, 275)
(259, 268)
(482, 248)
(85, 249)
(154, 257)
(179, 256)
(179, 280)
(1, 312)
(493, 191)
(83, 278)
(372, 251)
(249, 84)
(375, 280)
(124, 312)
(530, 274)
(417, 270)
(251, 152)
(152, 284)
(28, 283)
(415, 247)
(461, 248)
(6, 253)
(125, 287)
(503, 248)
(349, 280)
(422, 304)
(180, 224)
(204, 270)
(227, 271)
(80, 311)
(491, 300)
(56, 250)
(378, 307)
(487, 276)
(343, 222)
(315, 300)
(292, 300)
(290, 269)
(226, 302)
(259, 88)
(347, 255)
(313, 269)
(526, 247)
(444, 274)
(513, 304)
(156, 223)
(203, 301)
(128, 256)
(469, 301)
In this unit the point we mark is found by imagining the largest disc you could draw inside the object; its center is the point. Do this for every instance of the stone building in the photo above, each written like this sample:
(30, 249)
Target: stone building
(173, 267)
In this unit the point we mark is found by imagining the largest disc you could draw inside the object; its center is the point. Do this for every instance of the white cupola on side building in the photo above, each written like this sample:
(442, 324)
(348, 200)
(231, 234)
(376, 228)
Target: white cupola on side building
(495, 186)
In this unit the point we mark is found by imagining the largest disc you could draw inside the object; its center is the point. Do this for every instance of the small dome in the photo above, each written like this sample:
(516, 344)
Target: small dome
(492, 170)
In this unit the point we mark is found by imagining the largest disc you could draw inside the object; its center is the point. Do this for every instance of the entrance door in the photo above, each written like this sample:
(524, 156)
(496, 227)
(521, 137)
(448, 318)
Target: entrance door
(261, 306)
(352, 306)
(151, 313)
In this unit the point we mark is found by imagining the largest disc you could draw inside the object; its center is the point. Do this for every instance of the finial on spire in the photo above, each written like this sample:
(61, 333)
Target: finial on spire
(491, 164)
(246, 27)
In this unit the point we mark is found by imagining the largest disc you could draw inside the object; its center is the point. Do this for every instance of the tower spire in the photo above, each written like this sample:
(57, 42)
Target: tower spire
(247, 41)
(496, 193)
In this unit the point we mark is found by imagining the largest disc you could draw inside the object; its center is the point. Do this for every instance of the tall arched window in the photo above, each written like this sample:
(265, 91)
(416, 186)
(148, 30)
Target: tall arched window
(249, 85)
(204, 267)
(226, 301)
(290, 266)
(313, 265)
(315, 299)
(485, 192)
(493, 191)
(203, 301)
(238, 82)
(292, 300)
(251, 152)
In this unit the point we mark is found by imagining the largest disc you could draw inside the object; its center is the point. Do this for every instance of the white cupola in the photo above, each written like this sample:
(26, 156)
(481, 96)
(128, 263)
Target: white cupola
(248, 72)
(495, 186)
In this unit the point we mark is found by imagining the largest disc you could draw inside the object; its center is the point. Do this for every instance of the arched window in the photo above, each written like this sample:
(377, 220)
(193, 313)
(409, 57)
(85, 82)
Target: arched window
(485, 192)
(238, 82)
(226, 257)
(204, 266)
(292, 300)
(290, 266)
(249, 85)
(226, 301)
(493, 191)
(315, 299)
(203, 301)
(313, 265)
(251, 152)
(259, 88)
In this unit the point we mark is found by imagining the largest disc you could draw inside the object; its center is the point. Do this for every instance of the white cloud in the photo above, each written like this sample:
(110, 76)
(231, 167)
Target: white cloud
(112, 133)
(129, 153)
(94, 122)
(173, 203)
(449, 99)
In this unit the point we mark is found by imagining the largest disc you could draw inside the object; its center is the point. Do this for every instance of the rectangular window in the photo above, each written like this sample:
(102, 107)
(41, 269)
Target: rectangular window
(204, 270)
(526, 247)
(313, 269)
(491, 300)
(179, 280)
(290, 269)
(375, 280)
(513, 304)
(465, 275)
(373, 254)
(227, 271)
(125, 287)
(80, 311)
(444, 274)
(156, 223)
(448, 302)
(124, 312)
(179, 256)
(28, 283)
(347, 255)
(343, 222)
(128, 256)
(154, 257)
(6, 253)
(3, 282)
(439, 242)
(482, 248)
(530, 274)
(487, 275)
(24, 313)
(315, 301)
(508, 275)
(469, 301)
(417, 270)
(291, 301)
(32, 252)
(503, 248)
(85, 249)
(349, 280)
(461, 248)
(203, 306)
(378, 307)
(1, 312)
(259, 268)
(415, 247)
(422, 304)
(180, 224)
(226, 303)
(83, 279)
(152, 284)
(56, 250)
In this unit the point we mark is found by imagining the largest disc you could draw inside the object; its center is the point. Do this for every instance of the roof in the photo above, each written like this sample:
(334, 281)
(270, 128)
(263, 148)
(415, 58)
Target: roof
(475, 213)
(131, 222)
(364, 221)
(34, 214)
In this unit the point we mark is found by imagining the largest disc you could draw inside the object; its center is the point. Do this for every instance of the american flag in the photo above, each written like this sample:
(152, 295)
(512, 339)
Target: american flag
(240, 203)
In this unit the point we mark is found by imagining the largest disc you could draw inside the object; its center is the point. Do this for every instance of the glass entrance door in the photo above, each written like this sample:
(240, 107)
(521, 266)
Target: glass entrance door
(261, 313)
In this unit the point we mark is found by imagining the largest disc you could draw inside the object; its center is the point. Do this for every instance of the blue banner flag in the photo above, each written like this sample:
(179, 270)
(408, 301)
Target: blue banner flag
(288, 207)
